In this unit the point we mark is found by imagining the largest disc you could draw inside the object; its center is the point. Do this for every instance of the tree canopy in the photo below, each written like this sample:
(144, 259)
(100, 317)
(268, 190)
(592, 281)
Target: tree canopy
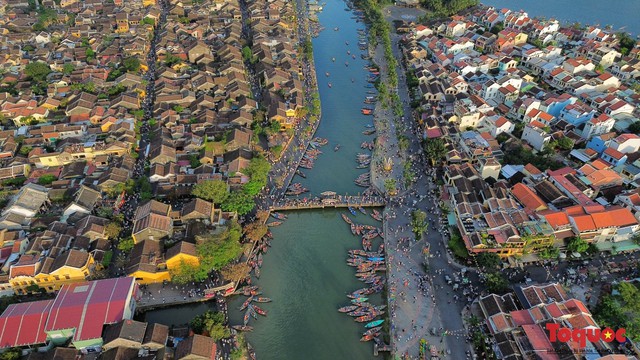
(37, 70)
(239, 201)
(435, 149)
(215, 191)
(132, 64)
(211, 323)
(488, 260)
(576, 244)
(419, 223)
(621, 311)
(216, 251)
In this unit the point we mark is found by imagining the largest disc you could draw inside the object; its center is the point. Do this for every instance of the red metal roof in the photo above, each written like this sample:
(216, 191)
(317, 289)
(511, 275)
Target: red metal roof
(86, 307)
(23, 324)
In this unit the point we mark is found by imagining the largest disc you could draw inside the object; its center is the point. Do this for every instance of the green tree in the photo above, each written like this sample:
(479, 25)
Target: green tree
(564, 143)
(68, 68)
(47, 179)
(634, 127)
(488, 260)
(125, 245)
(497, 28)
(577, 245)
(419, 223)
(252, 188)
(216, 251)
(435, 149)
(112, 230)
(211, 323)
(497, 283)
(549, 253)
(132, 64)
(148, 21)
(247, 54)
(390, 185)
(238, 201)
(258, 169)
(37, 70)
(215, 191)
(11, 354)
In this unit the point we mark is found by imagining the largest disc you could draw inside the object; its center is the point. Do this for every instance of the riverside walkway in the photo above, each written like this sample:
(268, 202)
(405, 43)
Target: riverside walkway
(342, 202)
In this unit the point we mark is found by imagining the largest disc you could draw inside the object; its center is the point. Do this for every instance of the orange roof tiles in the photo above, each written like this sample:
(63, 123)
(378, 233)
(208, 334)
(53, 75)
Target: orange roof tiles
(528, 197)
(531, 169)
(557, 219)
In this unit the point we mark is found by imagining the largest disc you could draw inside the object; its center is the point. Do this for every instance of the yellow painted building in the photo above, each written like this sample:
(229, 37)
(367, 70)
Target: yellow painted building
(72, 266)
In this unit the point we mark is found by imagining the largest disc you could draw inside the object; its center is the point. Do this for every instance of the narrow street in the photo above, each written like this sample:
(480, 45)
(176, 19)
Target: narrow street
(131, 200)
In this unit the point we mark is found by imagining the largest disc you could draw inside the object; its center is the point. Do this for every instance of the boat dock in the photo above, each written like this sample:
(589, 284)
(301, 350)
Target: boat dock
(352, 201)
(377, 349)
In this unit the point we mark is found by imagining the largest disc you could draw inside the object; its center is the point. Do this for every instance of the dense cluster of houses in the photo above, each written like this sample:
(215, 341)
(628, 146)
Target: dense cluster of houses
(518, 324)
(69, 132)
(495, 82)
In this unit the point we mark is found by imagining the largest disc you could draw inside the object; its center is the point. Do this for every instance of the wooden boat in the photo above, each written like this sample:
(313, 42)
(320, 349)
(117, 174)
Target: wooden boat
(262, 299)
(246, 303)
(366, 244)
(252, 312)
(362, 210)
(247, 290)
(353, 229)
(333, 59)
(366, 111)
(247, 316)
(252, 352)
(346, 63)
(346, 43)
(368, 337)
(242, 327)
(259, 310)
(361, 311)
(359, 300)
(275, 223)
(329, 84)
(346, 219)
(374, 324)
(301, 174)
(369, 132)
(348, 52)
(353, 56)
(336, 28)
(279, 216)
(346, 309)
(353, 212)
(260, 260)
(365, 318)
(256, 272)
(336, 148)
(376, 215)
(372, 331)
(327, 74)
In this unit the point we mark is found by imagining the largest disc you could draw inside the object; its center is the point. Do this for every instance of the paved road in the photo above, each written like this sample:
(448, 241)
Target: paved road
(419, 301)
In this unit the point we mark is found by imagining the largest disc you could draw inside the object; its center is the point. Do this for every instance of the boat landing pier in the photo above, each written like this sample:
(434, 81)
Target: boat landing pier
(345, 201)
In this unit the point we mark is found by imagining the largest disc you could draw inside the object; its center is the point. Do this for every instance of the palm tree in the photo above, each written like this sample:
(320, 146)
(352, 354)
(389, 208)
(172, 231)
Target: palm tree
(435, 149)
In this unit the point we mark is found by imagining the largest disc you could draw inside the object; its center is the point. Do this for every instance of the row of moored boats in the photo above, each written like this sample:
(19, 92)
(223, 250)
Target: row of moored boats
(369, 267)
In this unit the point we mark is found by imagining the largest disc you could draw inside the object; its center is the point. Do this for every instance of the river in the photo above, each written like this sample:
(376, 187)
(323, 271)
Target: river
(305, 272)
(618, 13)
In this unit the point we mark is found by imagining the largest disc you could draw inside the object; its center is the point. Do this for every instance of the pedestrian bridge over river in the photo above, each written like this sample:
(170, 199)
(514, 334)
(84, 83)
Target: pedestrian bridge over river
(341, 202)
